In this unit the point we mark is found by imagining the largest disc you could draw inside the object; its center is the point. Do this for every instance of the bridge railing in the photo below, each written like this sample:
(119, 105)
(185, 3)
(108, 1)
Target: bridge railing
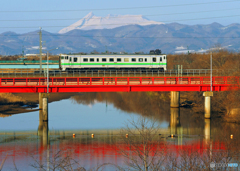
(141, 81)
(113, 73)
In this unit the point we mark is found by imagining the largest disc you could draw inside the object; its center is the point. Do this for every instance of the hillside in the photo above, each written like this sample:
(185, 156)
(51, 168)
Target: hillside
(131, 38)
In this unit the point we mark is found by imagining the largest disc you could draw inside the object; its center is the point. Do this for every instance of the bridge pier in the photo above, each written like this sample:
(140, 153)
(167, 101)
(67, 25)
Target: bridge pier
(45, 106)
(43, 118)
(40, 126)
(175, 99)
(207, 105)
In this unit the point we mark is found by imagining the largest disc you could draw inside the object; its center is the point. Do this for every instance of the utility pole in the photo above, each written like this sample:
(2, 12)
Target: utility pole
(106, 48)
(23, 52)
(211, 69)
(40, 49)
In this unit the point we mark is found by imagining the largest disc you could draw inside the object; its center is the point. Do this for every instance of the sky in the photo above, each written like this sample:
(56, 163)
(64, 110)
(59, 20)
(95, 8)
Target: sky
(22, 16)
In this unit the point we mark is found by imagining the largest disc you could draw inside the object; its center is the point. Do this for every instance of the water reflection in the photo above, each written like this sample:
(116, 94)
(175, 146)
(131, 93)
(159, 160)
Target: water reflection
(108, 146)
(192, 134)
(207, 129)
(142, 103)
(43, 129)
(175, 121)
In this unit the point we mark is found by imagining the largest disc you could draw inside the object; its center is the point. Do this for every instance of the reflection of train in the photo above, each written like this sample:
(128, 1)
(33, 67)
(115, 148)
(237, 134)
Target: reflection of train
(152, 61)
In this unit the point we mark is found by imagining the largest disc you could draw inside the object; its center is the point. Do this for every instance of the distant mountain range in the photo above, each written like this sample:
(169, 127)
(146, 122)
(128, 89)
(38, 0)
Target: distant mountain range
(91, 22)
(132, 34)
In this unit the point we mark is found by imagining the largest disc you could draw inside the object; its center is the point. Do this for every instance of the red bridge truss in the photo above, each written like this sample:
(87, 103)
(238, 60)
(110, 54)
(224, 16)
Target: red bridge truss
(117, 84)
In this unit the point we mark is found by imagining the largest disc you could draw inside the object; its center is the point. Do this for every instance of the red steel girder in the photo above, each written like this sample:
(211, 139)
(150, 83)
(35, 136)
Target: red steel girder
(116, 84)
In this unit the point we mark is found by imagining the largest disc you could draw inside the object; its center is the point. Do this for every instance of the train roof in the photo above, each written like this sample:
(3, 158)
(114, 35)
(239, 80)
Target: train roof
(132, 54)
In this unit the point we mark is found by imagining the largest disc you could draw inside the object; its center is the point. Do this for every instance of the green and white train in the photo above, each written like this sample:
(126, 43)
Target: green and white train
(113, 62)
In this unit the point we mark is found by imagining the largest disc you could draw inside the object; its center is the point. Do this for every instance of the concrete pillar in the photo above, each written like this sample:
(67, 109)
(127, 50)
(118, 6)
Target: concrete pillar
(45, 109)
(40, 100)
(174, 120)
(207, 105)
(175, 99)
(45, 106)
(40, 126)
(40, 111)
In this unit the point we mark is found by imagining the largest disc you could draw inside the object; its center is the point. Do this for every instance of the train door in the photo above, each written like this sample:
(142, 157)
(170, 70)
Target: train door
(153, 61)
(160, 61)
(119, 60)
(66, 62)
(75, 62)
(70, 62)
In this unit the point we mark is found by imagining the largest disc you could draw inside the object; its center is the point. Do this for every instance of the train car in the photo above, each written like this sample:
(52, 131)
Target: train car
(113, 62)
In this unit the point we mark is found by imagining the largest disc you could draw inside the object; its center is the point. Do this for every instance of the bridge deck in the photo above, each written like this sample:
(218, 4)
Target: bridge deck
(116, 84)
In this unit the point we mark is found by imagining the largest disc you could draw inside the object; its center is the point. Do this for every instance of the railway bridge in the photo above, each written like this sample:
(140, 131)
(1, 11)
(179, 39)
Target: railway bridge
(175, 85)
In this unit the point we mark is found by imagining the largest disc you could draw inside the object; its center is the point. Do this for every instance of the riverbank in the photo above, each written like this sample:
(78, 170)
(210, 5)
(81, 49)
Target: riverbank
(11, 103)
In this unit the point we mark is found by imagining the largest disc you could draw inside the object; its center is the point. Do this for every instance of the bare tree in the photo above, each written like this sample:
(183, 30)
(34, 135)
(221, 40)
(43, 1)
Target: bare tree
(145, 151)
(1, 166)
(194, 159)
(59, 161)
(63, 161)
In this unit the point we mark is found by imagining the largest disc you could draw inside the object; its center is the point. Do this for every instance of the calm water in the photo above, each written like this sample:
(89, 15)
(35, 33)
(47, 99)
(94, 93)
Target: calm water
(24, 140)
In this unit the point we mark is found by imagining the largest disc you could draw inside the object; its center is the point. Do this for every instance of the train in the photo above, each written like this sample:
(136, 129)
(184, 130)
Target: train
(137, 61)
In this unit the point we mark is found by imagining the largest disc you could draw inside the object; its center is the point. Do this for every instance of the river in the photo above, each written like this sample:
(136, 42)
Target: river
(99, 121)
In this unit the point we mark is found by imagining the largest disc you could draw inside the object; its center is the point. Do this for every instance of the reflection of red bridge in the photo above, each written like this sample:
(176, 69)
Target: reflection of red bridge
(98, 149)
(114, 84)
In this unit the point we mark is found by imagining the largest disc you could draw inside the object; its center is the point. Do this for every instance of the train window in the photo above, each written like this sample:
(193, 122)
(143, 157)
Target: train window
(97, 59)
(119, 59)
(140, 59)
(111, 60)
(126, 59)
(145, 59)
(104, 59)
(62, 57)
(164, 57)
(133, 59)
(91, 59)
(154, 59)
(66, 57)
(160, 59)
(70, 59)
(85, 59)
(74, 59)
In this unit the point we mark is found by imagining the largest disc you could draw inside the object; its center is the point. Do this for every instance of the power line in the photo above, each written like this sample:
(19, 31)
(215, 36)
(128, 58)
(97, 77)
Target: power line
(128, 23)
(103, 9)
(195, 37)
(132, 16)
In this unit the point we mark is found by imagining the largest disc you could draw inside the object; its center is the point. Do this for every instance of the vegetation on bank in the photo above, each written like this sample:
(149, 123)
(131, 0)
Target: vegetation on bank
(11, 103)
(220, 60)
(227, 102)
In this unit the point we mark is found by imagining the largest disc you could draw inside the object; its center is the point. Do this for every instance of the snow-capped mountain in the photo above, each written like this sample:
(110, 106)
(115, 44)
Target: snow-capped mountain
(90, 22)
